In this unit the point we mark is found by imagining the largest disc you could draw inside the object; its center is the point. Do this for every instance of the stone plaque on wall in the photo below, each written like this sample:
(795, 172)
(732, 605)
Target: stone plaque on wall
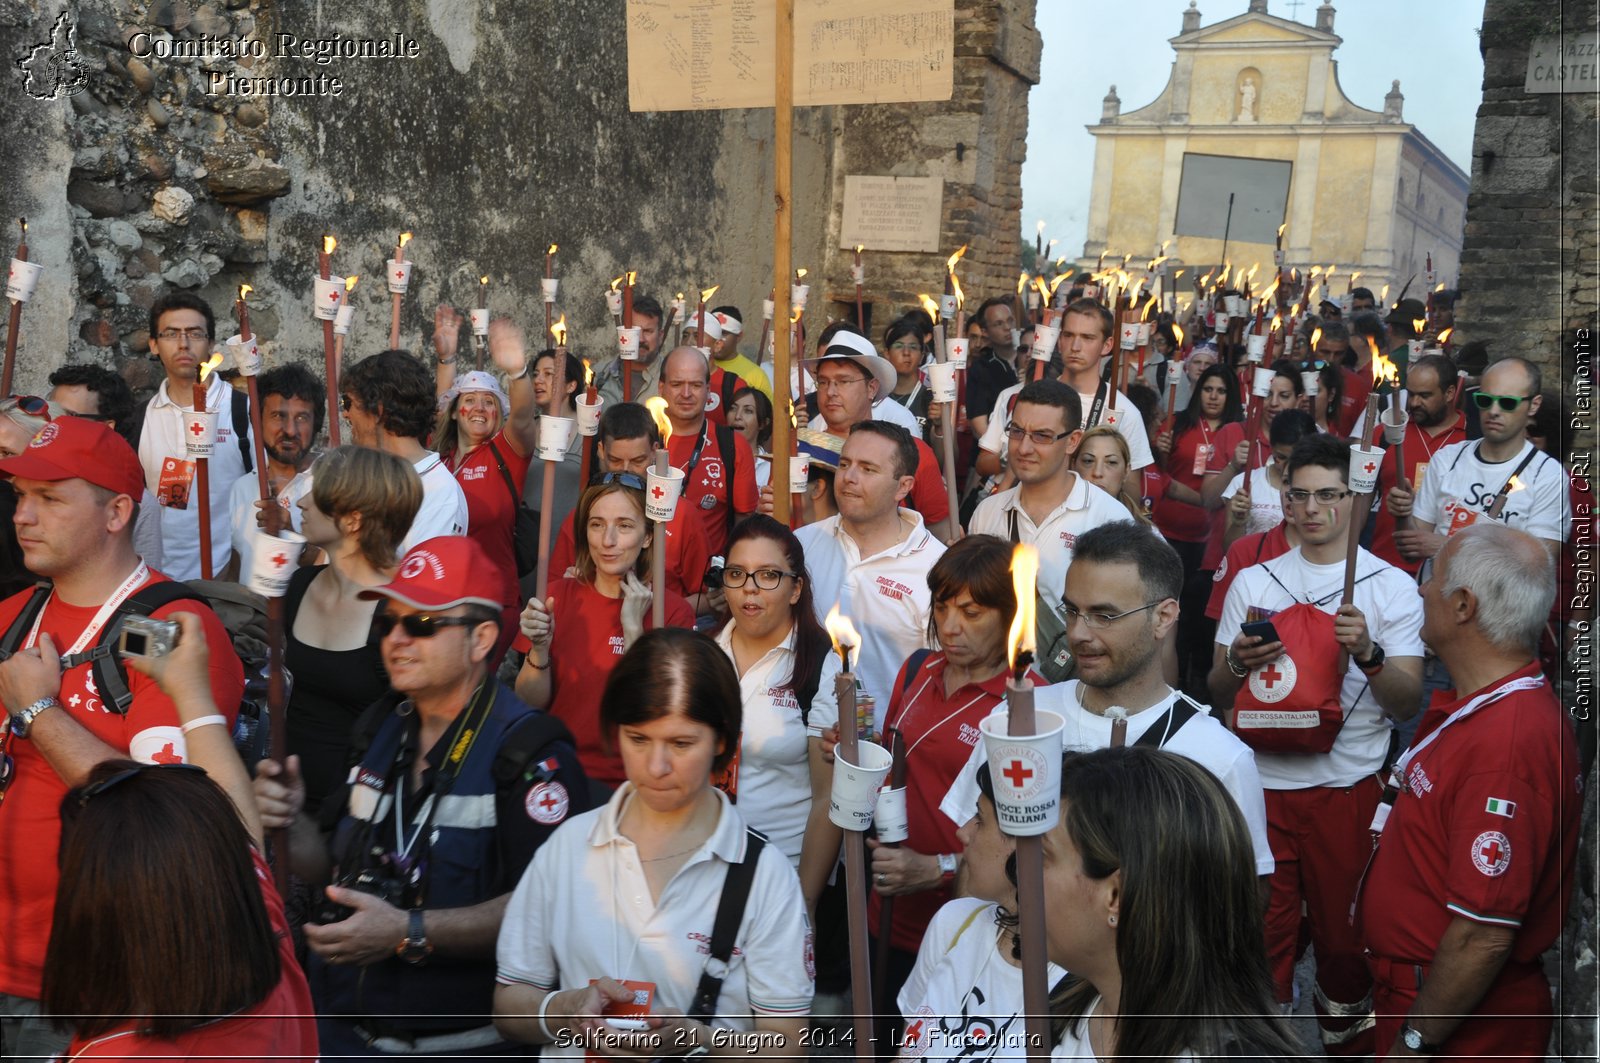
(892, 213)
(1564, 64)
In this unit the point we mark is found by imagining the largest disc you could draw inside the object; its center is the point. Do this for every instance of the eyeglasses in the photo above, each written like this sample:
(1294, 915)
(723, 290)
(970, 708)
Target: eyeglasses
(1040, 437)
(32, 405)
(913, 347)
(1328, 496)
(90, 792)
(838, 383)
(1097, 621)
(420, 625)
(1506, 402)
(194, 335)
(626, 479)
(767, 579)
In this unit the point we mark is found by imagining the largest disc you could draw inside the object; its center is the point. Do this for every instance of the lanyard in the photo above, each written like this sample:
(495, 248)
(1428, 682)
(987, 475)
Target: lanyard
(694, 459)
(1397, 774)
(464, 735)
(89, 633)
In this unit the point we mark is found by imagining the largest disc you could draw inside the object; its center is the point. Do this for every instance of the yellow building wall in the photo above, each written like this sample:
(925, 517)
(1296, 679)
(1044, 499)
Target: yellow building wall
(1344, 195)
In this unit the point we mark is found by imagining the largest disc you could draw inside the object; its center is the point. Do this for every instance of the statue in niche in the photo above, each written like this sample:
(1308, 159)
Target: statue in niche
(1247, 100)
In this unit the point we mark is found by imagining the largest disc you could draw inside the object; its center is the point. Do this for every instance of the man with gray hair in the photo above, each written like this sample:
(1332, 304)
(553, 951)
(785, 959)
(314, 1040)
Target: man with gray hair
(1479, 822)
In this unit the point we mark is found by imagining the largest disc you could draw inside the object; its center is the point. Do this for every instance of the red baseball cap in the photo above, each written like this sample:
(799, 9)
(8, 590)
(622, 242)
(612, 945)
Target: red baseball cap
(78, 448)
(442, 573)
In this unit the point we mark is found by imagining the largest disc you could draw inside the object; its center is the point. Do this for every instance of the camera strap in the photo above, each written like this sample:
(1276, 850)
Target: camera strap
(459, 740)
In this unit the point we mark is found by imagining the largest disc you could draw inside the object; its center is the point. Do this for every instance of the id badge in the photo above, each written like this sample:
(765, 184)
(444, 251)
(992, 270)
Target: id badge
(626, 1017)
(173, 489)
(1461, 517)
(1202, 458)
(1421, 471)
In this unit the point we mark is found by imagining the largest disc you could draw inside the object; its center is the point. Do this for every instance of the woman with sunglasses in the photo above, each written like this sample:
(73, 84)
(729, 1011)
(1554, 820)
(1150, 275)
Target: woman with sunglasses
(750, 414)
(785, 665)
(361, 505)
(1155, 975)
(629, 895)
(169, 940)
(573, 639)
(21, 417)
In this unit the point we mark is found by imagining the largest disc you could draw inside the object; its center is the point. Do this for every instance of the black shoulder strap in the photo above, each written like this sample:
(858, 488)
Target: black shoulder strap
(1011, 525)
(24, 622)
(514, 763)
(241, 428)
(730, 913)
(505, 474)
(730, 463)
(806, 691)
(1163, 730)
(914, 665)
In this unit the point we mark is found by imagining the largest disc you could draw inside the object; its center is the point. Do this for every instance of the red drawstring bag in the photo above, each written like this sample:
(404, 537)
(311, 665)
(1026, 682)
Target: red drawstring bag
(1291, 704)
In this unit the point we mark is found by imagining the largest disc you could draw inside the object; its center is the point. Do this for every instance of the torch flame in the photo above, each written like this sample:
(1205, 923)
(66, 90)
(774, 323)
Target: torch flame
(210, 364)
(658, 412)
(1440, 287)
(1177, 336)
(588, 371)
(484, 280)
(1282, 227)
(1445, 335)
(329, 244)
(1205, 280)
(929, 305)
(705, 296)
(800, 274)
(1383, 370)
(1419, 324)
(1055, 282)
(1354, 276)
(961, 297)
(633, 275)
(1251, 276)
(1022, 281)
(350, 283)
(1514, 486)
(1149, 305)
(1133, 296)
(553, 249)
(1044, 287)
(950, 263)
(846, 639)
(405, 238)
(1040, 226)
(244, 290)
(616, 282)
(860, 248)
(1024, 576)
(24, 222)
(1315, 270)
(1316, 334)
(794, 420)
(559, 331)
(1383, 296)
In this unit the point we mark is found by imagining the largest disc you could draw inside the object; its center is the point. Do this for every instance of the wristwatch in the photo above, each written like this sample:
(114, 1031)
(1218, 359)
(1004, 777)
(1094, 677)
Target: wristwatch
(22, 721)
(947, 867)
(1411, 1037)
(415, 949)
(1374, 664)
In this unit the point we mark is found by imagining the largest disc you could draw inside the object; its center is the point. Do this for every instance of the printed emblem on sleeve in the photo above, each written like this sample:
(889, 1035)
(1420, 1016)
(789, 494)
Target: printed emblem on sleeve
(1491, 853)
(547, 803)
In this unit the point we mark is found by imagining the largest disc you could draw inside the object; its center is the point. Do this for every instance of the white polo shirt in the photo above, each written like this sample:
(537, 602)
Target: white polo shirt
(242, 506)
(444, 505)
(1122, 415)
(1086, 506)
(886, 409)
(886, 596)
(583, 911)
(162, 453)
(1202, 739)
(1388, 598)
(1266, 502)
(1457, 478)
(774, 783)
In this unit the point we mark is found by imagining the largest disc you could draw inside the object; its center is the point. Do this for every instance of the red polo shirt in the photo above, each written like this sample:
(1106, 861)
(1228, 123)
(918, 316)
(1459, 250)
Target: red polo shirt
(1190, 457)
(706, 488)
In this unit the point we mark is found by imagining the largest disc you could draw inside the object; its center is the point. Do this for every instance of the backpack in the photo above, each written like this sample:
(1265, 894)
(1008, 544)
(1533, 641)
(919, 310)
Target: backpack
(241, 611)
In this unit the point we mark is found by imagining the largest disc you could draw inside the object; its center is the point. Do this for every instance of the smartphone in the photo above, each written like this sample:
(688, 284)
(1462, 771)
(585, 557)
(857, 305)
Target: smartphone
(1261, 629)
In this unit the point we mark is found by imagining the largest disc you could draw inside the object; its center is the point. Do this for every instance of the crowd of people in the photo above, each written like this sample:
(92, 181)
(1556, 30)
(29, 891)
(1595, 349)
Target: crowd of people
(592, 819)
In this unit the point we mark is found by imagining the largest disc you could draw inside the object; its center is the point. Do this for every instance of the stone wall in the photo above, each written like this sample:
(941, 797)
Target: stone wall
(1528, 271)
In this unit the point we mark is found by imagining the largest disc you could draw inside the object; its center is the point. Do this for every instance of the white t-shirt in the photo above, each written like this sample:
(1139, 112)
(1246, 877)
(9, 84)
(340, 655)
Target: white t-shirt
(774, 771)
(1202, 739)
(1086, 506)
(963, 1000)
(1074, 1043)
(444, 505)
(1388, 598)
(583, 911)
(242, 505)
(162, 455)
(1122, 416)
(1458, 478)
(886, 596)
(1266, 502)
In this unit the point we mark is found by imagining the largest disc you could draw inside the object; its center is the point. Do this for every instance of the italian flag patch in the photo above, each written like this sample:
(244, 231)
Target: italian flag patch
(1499, 806)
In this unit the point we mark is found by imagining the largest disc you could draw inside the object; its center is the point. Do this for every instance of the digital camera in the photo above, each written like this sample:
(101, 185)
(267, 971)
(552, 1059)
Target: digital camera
(144, 636)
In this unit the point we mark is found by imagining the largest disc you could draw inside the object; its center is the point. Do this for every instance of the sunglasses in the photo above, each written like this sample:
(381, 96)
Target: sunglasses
(32, 405)
(420, 625)
(120, 777)
(1506, 402)
(626, 479)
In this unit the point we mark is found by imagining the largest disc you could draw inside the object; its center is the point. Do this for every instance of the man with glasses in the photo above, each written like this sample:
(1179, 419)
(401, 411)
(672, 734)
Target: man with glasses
(1501, 476)
(626, 448)
(1432, 424)
(182, 337)
(1320, 805)
(457, 784)
(1051, 506)
(872, 559)
(77, 485)
(1121, 605)
(388, 400)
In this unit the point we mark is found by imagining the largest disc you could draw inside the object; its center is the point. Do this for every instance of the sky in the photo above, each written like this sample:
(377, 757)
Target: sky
(1088, 48)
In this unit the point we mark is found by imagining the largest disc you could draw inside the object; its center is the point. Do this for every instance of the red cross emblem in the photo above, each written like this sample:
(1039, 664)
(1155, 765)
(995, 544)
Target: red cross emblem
(1490, 853)
(1017, 774)
(1270, 675)
(656, 492)
(197, 429)
(279, 559)
(548, 801)
(399, 274)
(1368, 468)
(333, 296)
(167, 755)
